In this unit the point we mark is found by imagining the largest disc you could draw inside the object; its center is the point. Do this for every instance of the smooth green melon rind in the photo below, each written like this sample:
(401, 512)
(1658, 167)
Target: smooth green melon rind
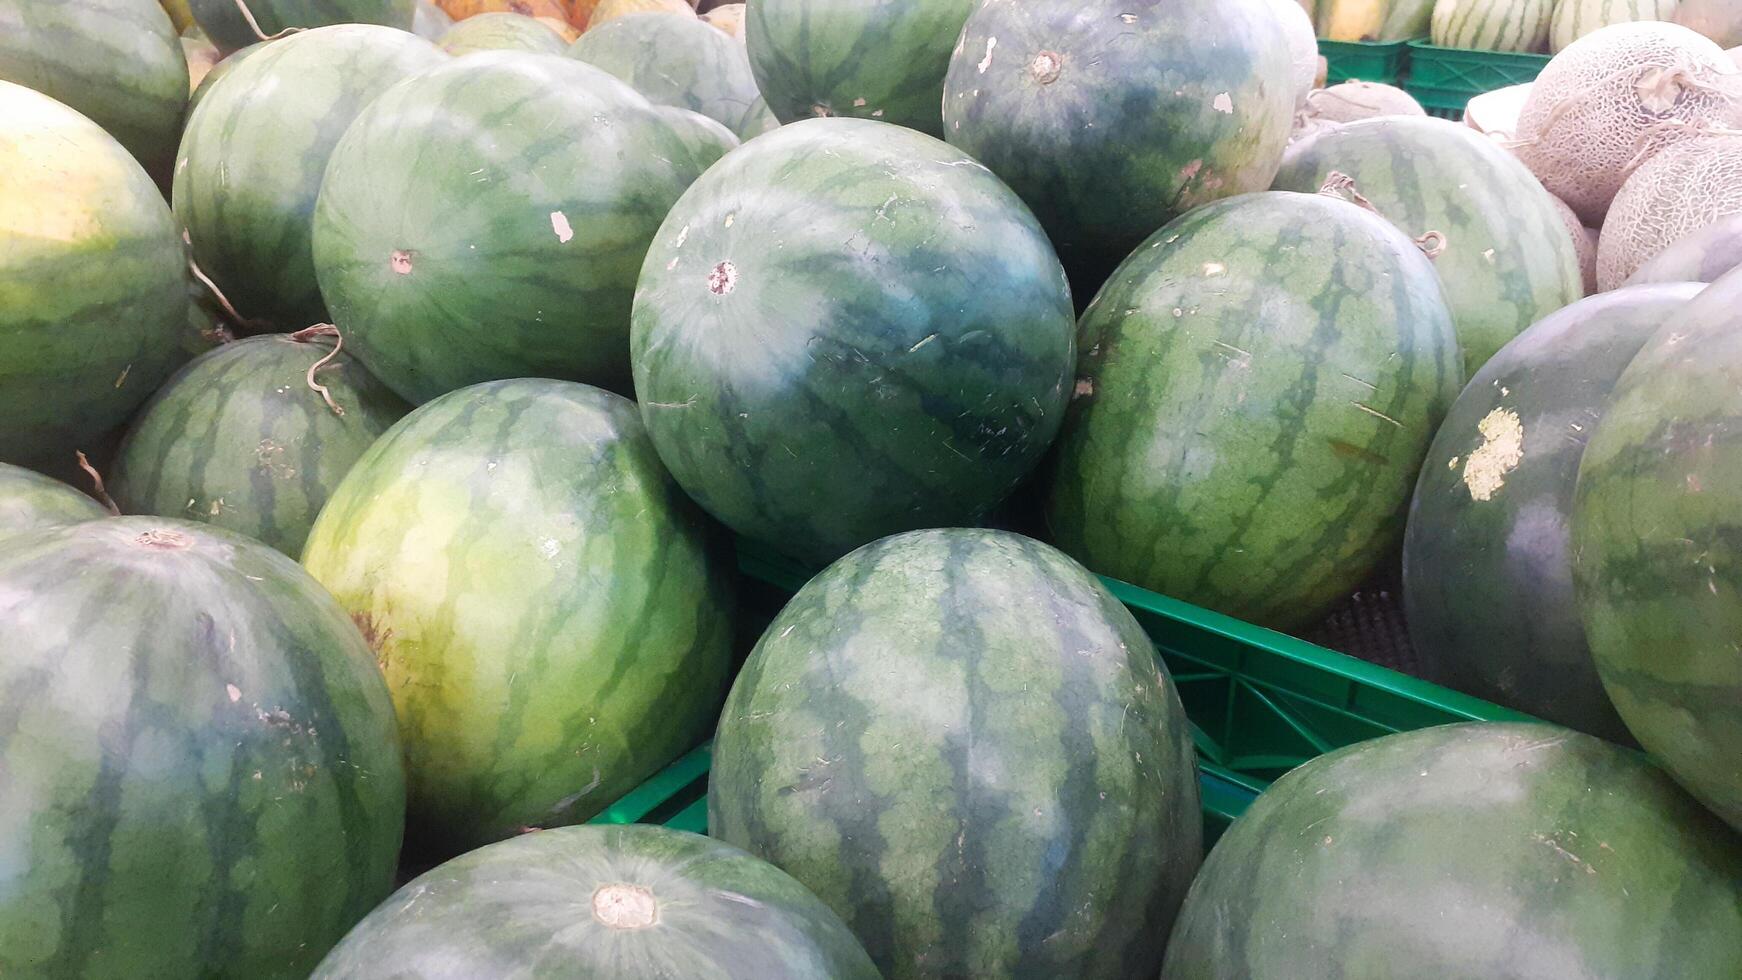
(230, 30)
(705, 137)
(675, 61)
(203, 776)
(501, 31)
(1703, 256)
(29, 501)
(965, 746)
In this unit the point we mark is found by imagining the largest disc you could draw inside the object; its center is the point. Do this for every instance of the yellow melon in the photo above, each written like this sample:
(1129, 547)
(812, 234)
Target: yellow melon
(728, 17)
(611, 9)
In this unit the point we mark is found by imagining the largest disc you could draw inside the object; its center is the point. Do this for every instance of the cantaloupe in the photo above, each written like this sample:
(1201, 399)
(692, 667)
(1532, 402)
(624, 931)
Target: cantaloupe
(1303, 46)
(1720, 20)
(1681, 189)
(1354, 100)
(1574, 19)
(1616, 96)
(1706, 255)
(1492, 25)
(1584, 242)
(728, 17)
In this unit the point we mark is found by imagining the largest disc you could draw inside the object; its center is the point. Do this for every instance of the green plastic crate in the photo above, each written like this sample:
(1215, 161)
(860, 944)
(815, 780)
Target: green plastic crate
(1444, 80)
(1369, 61)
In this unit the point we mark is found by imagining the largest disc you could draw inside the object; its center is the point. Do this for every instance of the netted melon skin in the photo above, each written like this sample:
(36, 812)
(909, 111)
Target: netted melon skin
(1616, 96)
(1584, 242)
(1350, 101)
(1680, 190)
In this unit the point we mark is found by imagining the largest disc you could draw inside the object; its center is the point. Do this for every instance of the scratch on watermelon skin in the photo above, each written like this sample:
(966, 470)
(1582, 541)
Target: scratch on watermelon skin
(962, 743)
(676, 61)
(29, 501)
(201, 772)
(223, 22)
(550, 614)
(1259, 384)
(1657, 549)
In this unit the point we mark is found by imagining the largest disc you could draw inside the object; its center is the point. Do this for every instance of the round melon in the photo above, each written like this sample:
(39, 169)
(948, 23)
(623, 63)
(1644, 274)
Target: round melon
(1585, 243)
(629, 903)
(1487, 560)
(1496, 113)
(1303, 45)
(1492, 25)
(239, 439)
(1257, 387)
(1683, 188)
(1613, 98)
(119, 62)
(728, 17)
(202, 775)
(29, 501)
(881, 61)
(235, 24)
(676, 61)
(552, 619)
(93, 295)
(1656, 558)
(1506, 260)
(1476, 850)
(707, 139)
(455, 241)
(1720, 20)
(429, 21)
(1574, 19)
(1111, 118)
(609, 10)
(502, 31)
(847, 329)
(965, 746)
(1701, 256)
(1355, 100)
(252, 159)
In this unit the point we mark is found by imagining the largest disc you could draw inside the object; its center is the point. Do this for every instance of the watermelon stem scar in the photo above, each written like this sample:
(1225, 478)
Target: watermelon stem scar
(1337, 184)
(625, 906)
(723, 279)
(1046, 66)
(162, 539)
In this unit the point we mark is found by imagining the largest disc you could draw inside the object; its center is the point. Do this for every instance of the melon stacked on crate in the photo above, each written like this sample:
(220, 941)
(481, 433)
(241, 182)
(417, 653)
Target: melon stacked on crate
(815, 488)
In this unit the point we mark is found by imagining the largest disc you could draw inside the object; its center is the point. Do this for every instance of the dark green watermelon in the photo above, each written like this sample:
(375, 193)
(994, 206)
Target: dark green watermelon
(847, 329)
(966, 746)
(253, 155)
(1467, 851)
(883, 61)
(706, 138)
(119, 62)
(1487, 559)
(198, 765)
(1507, 260)
(552, 620)
(235, 24)
(628, 903)
(678, 61)
(1112, 117)
(29, 500)
(487, 219)
(1704, 256)
(1258, 386)
(1657, 546)
(239, 439)
(758, 120)
(93, 293)
(501, 31)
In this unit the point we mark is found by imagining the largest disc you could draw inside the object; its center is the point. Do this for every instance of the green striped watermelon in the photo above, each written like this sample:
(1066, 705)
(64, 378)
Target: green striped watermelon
(1487, 560)
(29, 500)
(628, 903)
(883, 61)
(552, 622)
(239, 439)
(457, 240)
(1703, 256)
(1493, 25)
(199, 774)
(1574, 19)
(1478, 850)
(119, 62)
(706, 138)
(219, 70)
(253, 155)
(847, 329)
(1258, 386)
(501, 31)
(1657, 550)
(1112, 117)
(966, 746)
(758, 120)
(235, 24)
(93, 294)
(1507, 260)
(677, 61)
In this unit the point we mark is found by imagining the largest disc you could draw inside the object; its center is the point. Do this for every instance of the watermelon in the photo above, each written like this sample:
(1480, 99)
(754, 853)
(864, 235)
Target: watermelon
(1487, 561)
(457, 240)
(1574, 19)
(551, 618)
(239, 438)
(757, 120)
(658, 904)
(964, 744)
(706, 138)
(847, 329)
(429, 21)
(1258, 386)
(253, 155)
(1493, 25)
(93, 298)
(1475, 850)
(1703, 256)
(235, 24)
(677, 61)
(882, 61)
(29, 500)
(200, 772)
(1657, 564)
(224, 66)
(1507, 260)
(502, 31)
(119, 62)
(1111, 118)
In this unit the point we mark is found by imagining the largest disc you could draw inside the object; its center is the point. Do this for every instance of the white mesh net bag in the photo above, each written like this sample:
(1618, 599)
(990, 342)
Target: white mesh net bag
(1680, 190)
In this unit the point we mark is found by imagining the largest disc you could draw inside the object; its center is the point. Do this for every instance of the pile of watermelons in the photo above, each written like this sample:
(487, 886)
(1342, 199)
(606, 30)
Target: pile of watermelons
(379, 414)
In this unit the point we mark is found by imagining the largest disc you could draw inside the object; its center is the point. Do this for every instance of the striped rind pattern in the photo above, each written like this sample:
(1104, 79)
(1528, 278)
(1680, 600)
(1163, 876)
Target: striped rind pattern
(223, 22)
(675, 61)
(1493, 25)
(1574, 19)
(29, 501)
